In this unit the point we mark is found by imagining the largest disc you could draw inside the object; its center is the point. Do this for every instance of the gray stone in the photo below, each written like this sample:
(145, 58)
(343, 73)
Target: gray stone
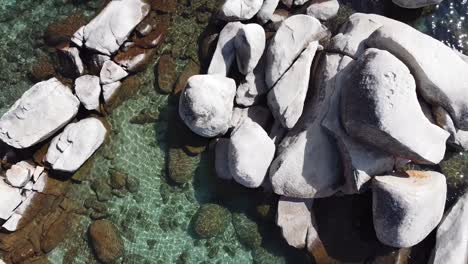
(437, 84)
(88, 90)
(113, 25)
(250, 153)
(225, 52)
(406, 208)
(323, 10)
(206, 104)
(249, 44)
(78, 141)
(70, 60)
(235, 10)
(382, 109)
(39, 113)
(295, 33)
(10, 199)
(286, 99)
(452, 236)
(416, 3)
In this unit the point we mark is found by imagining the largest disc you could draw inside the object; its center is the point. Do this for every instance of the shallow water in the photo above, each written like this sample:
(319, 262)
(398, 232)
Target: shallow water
(156, 220)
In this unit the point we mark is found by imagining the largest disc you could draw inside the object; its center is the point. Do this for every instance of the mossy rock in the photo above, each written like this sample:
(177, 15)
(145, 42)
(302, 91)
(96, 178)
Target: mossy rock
(181, 166)
(262, 256)
(211, 220)
(455, 167)
(247, 231)
(118, 179)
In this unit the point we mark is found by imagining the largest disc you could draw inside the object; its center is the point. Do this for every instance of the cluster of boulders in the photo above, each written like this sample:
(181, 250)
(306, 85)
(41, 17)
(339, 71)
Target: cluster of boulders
(314, 116)
(112, 46)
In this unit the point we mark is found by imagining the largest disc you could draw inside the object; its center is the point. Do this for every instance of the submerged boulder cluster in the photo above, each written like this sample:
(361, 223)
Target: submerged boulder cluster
(53, 129)
(315, 115)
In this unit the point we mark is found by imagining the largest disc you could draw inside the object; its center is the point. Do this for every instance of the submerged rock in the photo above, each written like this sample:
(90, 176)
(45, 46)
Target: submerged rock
(286, 99)
(452, 236)
(211, 220)
(225, 52)
(222, 159)
(383, 110)
(70, 149)
(111, 72)
(39, 113)
(293, 36)
(206, 104)
(112, 27)
(437, 85)
(416, 3)
(249, 44)
(88, 90)
(250, 154)
(323, 10)
(233, 10)
(406, 208)
(107, 243)
(247, 231)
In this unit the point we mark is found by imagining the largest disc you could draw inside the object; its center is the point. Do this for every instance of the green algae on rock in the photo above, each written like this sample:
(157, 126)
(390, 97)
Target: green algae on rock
(106, 240)
(181, 166)
(211, 220)
(247, 231)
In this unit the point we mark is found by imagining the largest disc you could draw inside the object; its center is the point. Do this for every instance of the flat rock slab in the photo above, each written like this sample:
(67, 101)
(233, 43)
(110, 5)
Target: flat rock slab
(71, 148)
(438, 84)
(407, 207)
(222, 159)
(382, 109)
(112, 27)
(206, 104)
(19, 174)
(323, 10)
(452, 235)
(39, 113)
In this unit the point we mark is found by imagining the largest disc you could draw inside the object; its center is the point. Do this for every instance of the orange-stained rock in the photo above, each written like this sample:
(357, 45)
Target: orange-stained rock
(167, 74)
(166, 6)
(192, 68)
(106, 240)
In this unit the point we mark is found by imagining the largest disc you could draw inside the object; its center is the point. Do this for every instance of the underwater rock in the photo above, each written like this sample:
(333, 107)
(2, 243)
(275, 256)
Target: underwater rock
(233, 10)
(225, 52)
(71, 148)
(60, 32)
(108, 90)
(42, 70)
(106, 240)
(19, 174)
(294, 217)
(452, 236)
(416, 3)
(411, 46)
(458, 138)
(56, 230)
(247, 231)
(167, 74)
(383, 110)
(88, 90)
(181, 166)
(192, 68)
(295, 33)
(70, 61)
(206, 104)
(286, 99)
(253, 88)
(118, 179)
(249, 44)
(250, 153)
(323, 10)
(407, 207)
(211, 220)
(266, 11)
(111, 72)
(39, 113)
(222, 159)
(112, 27)
(10, 199)
(145, 116)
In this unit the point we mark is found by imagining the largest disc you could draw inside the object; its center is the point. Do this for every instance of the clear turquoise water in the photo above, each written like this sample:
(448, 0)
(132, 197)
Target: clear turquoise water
(156, 221)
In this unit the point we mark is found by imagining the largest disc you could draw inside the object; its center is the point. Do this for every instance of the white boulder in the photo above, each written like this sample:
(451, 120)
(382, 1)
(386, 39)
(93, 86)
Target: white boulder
(250, 154)
(266, 11)
(111, 72)
(19, 174)
(381, 109)
(249, 44)
(206, 104)
(234, 10)
(323, 10)
(10, 199)
(39, 113)
(71, 148)
(407, 207)
(225, 52)
(113, 25)
(294, 217)
(292, 37)
(88, 90)
(286, 99)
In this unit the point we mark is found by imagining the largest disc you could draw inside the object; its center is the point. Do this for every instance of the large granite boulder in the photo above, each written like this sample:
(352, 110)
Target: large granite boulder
(71, 148)
(452, 235)
(249, 44)
(112, 27)
(437, 84)
(416, 3)
(292, 37)
(206, 104)
(250, 154)
(382, 109)
(39, 113)
(286, 99)
(222, 159)
(308, 162)
(225, 52)
(407, 207)
(234, 10)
